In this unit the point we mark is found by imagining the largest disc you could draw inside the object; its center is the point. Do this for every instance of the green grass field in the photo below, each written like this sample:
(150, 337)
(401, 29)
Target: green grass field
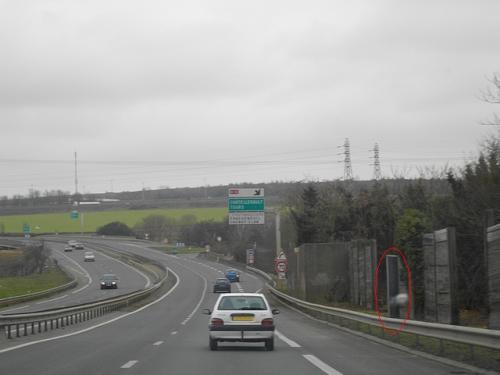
(17, 286)
(62, 222)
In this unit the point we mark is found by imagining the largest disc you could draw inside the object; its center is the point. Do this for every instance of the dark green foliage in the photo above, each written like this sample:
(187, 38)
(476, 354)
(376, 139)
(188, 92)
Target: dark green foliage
(409, 230)
(116, 228)
(306, 216)
(475, 190)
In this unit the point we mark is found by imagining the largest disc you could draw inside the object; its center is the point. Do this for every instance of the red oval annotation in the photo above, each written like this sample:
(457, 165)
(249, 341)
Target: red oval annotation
(390, 331)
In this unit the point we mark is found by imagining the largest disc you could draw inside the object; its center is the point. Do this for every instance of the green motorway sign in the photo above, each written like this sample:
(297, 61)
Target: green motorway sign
(246, 204)
(26, 229)
(74, 214)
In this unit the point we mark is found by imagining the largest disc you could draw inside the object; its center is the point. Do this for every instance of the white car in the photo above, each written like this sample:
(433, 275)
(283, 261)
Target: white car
(89, 256)
(241, 317)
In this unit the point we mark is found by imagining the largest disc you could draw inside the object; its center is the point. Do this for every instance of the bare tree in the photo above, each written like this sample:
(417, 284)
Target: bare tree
(492, 95)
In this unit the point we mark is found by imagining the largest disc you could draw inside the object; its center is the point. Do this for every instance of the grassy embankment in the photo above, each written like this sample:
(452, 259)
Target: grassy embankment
(17, 286)
(62, 223)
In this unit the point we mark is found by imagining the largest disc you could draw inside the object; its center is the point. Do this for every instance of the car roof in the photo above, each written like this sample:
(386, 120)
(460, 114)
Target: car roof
(243, 295)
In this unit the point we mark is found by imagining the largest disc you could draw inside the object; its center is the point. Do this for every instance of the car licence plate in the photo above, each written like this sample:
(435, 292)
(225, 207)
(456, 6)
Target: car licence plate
(242, 318)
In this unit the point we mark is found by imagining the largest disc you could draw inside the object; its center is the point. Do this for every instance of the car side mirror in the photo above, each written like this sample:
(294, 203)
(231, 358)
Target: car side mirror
(206, 311)
(275, 311)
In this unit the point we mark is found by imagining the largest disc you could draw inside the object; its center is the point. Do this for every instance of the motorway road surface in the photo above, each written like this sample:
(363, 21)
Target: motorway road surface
(88, 275)
(171, 337)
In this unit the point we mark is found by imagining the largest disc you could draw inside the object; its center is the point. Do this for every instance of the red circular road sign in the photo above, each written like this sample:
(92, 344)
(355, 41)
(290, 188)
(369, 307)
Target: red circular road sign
(280, 265)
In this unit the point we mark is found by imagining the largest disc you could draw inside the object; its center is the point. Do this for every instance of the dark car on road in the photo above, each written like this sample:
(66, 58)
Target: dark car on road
(222, 285)
(109, 281)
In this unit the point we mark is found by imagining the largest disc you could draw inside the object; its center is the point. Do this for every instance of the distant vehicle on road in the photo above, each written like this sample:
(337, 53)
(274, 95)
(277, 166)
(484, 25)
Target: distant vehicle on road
(79, 246)
(72, 243)
(241, 317)
(68, 248)
(222, 285)
(232, 275)
(109, 281)
(89, 256)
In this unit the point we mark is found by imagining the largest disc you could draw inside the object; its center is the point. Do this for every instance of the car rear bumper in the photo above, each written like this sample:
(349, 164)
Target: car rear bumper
(242, 335)
(222, 290)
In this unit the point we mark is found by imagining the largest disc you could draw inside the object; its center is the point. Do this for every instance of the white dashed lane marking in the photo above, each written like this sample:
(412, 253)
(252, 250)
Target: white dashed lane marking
(174, 333)
(290, 342)
(321, 365)
(17, 308)
(158, 343)
(53, 299)
(129, 364)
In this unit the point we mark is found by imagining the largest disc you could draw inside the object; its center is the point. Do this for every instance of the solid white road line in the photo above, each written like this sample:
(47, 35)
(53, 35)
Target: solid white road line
(50, 300)
(100, 324)
(200, 301)
(158, 343)
(87, 275)
(290, 342)
(129, 364)
(174, 333)
(321, 365)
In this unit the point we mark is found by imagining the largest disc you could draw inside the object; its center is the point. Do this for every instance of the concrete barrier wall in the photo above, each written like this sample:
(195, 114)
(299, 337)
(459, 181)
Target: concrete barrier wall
(440, 274)
(362, 265)
(493, 261)
(327, 274)
(334, 272)
(319, 272)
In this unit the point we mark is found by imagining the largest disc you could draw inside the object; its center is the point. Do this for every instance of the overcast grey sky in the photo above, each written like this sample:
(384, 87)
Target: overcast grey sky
(188, 93)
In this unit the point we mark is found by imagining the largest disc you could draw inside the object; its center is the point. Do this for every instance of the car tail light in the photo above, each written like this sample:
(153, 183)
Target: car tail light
(267, 322)
(217, 322)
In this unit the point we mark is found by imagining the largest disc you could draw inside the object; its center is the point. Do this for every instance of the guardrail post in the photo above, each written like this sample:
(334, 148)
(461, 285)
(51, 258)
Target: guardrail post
(62, 321)
(45, 326)
(39, 327)
(32, 328)
(9, 331)
(25, 329)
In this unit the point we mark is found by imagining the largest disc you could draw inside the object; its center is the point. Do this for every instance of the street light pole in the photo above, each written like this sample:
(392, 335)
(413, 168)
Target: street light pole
(278, 233)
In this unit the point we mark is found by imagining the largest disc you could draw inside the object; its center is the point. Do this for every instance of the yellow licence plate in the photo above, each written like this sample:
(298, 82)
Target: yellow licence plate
(243, 318)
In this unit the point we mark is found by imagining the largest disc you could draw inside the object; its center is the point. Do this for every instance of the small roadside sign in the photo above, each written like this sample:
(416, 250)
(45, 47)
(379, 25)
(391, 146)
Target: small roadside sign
(245, 192)
(26, 230)
(281, 265)
(250, 256)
